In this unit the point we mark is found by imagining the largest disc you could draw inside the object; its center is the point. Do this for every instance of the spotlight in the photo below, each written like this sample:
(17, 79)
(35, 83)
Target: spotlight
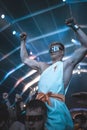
(78, 72)
(79, 67)
(14, 32)
(2, 16)
(31, 53)
(24, 105)
(64, 0)
(75, 42)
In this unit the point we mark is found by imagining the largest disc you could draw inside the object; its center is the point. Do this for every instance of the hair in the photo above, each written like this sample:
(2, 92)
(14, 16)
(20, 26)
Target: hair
(34, 104)
(81, 117)
(57, 43)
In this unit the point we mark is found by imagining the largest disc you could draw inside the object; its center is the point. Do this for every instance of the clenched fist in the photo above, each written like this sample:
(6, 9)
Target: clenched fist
(23, 36)
(70, 22)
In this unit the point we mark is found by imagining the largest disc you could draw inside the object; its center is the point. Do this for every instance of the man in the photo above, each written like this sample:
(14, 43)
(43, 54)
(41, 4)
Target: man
(80, 122)
(36, 115)
(4, 117)
(12, 113)
(6, 100)
(19, 108)
(56, 77)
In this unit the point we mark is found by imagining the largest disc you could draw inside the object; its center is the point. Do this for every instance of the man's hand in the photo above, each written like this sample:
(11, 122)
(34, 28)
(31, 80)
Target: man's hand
(70, 22)
(23, 36)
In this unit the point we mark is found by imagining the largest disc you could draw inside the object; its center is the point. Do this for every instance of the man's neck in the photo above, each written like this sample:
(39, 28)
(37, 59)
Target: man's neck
(56, 60)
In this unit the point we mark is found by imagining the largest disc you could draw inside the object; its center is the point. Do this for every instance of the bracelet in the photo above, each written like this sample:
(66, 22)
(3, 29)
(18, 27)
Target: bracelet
(75, 27)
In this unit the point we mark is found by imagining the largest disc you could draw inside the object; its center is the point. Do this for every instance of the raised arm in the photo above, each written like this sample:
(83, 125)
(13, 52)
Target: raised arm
(28, 60)
(80, 53)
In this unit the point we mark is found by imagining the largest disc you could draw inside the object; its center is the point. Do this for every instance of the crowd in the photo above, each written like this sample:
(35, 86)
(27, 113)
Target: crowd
(21, 116)
(30, 116)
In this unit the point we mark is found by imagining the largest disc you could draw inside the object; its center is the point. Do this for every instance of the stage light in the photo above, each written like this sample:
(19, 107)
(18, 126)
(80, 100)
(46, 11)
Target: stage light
(31, 53)
(64, 0)
(24, 105)
(14, 32)
(2, 16)
(79, 67)
(75, 41)
(78, 72)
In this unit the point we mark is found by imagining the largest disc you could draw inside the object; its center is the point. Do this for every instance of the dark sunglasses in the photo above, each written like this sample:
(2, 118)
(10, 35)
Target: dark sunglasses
(34, 118)
(55, 49)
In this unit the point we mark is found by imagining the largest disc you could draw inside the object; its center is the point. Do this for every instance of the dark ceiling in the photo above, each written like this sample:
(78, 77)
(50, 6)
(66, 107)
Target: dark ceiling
(44, 22)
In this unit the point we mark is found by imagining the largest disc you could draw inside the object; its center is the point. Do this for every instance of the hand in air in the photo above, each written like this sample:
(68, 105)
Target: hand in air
(23, 36)
(70, 22)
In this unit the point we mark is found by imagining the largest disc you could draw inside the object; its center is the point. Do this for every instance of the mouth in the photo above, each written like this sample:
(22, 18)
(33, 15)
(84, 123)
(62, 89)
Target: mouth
(53, 53)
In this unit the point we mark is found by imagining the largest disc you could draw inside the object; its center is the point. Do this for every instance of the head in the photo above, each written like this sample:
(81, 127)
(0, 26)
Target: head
(18, 97)
(36, 114)
(56, 50)
(80, 119)
(5, 95)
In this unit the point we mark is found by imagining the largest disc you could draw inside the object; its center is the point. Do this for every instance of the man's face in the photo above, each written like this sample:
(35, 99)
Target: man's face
(56, 50)
(34, 119)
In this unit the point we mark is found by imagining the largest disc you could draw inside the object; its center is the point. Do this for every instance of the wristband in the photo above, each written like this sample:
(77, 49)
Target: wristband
(75, 27)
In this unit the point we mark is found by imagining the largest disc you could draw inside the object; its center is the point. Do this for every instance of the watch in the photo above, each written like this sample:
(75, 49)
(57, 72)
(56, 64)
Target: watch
(75, 27)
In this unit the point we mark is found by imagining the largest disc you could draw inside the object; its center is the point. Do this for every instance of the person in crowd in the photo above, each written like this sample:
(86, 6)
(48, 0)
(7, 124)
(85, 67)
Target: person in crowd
(4, 117)
(19, 123)
(36, 115)
(12, 113)
(6, 99)
(19, 108)
(55, 77)
(80, 122)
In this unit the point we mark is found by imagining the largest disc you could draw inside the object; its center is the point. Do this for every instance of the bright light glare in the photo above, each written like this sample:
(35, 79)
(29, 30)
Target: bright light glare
(75, 42)
(2, 16)
(14, 32)
(31, 83)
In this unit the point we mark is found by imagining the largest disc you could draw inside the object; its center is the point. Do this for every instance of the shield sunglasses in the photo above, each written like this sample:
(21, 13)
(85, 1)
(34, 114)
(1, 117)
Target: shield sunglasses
(54, 49)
